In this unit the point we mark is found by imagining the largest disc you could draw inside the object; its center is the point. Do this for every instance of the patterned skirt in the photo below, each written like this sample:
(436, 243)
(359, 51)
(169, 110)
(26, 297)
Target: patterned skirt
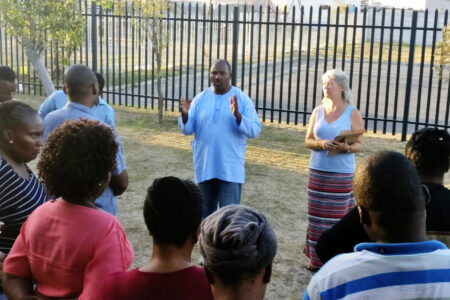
(330, 197)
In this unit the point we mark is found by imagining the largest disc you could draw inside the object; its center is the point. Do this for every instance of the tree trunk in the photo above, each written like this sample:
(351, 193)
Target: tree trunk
(38, 65)
(159, 87)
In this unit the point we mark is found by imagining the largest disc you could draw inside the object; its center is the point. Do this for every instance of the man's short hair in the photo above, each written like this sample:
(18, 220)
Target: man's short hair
(387, 182)
(77, 81)
(173, 210)
(223, 61)
(429, 151)
(237, 243)
(6, 73)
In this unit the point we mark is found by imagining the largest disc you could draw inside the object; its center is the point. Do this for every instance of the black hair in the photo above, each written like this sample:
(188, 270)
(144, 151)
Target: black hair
(223, 61)
(100, 80)
(173, 210)
(77, 159)
(429, 151)
(6, 73)
(77, 81)
(387, 182)
(13, 114)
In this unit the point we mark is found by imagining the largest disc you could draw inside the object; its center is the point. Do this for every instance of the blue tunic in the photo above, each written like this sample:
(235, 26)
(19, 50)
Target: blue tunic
(74, 111)
(220, 142)
(102, 110)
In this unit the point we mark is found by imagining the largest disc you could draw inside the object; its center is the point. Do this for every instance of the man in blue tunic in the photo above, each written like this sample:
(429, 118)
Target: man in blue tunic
(222, 118)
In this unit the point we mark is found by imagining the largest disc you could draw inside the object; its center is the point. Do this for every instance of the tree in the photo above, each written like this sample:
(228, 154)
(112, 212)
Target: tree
(152, 14)
(443, 54)
(34, 23)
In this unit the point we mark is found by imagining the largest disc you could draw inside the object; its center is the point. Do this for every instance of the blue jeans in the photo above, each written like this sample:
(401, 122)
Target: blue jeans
(216, 191)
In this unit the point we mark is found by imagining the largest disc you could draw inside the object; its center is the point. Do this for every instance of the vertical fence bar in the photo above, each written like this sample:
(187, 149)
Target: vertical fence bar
(203, 46)
(399, 62)
(166, 81)
(139, 41)
(316, 66)
(120, 59)
(126, 56)
(344, 45)
(380, 62)
(299, 63)
(102, 37)
(244, 27)
(188, 49)
(211, 19)
(327, 38)
(174, 48)
(226, 32)
(274, 65)
(133, 45)
(146, 71)
(93, 35)
(422, 64)
(336, 34)
(282, 66)
(258, 57)
(308, 51)
(369, 73)
(195, 49)
(291, 54)
(180, 78)
(388, 74)
(86, 45)
(361, 60)
(234, 61)
(441, 67)
(252, 25)
(219, 30)
(352, 59)
(412, 47)
(266, 62)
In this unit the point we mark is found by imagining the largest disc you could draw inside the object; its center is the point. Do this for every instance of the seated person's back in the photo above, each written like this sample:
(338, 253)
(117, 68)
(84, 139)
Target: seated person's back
(401, 263)
(172, 212)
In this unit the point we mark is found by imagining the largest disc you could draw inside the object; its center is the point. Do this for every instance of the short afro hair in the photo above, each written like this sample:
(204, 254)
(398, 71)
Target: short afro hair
(173, 210)
(429, 151)
(77, 159)
(6, 73)
(388, 183)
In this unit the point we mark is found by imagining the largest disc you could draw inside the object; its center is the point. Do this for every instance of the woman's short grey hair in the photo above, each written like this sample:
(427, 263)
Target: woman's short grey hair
(237, 243)
(341, 78)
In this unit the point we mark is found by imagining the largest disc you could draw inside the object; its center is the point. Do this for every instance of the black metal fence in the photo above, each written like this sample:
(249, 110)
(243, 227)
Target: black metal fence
(277, 59)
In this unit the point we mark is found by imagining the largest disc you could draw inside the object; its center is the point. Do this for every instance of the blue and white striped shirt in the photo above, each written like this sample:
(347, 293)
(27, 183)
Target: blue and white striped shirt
(375, 271)
(18, 198)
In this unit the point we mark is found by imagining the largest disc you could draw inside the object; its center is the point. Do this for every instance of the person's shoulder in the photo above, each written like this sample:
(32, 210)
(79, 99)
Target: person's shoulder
(105, 105)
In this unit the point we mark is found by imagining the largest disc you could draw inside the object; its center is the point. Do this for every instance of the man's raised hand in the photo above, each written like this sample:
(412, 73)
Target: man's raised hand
(235, 108)
(184, 108)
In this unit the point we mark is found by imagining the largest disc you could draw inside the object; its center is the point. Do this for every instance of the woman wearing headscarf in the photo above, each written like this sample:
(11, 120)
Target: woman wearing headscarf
(67, 246)
(330, 181)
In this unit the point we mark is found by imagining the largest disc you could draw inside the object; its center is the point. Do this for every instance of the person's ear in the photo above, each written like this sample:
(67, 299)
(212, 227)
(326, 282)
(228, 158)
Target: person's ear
(426, 193)
(364, 216)
(267, 274)
(209, 276)
(95, 89)
(196, 235)
(65, 89)
(8, 135)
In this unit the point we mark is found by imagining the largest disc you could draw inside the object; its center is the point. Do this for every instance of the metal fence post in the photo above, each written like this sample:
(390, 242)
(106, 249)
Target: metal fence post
(235, 45)
(94, 35)
(412, 46)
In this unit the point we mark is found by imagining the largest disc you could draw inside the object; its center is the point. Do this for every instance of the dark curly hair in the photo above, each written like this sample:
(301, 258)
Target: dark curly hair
(173, 210)
(429, 151)
(13, 113)
(77, 159)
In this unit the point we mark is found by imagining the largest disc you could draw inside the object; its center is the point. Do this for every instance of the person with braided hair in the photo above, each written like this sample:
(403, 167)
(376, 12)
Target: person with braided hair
(172, 212)
(238, 246)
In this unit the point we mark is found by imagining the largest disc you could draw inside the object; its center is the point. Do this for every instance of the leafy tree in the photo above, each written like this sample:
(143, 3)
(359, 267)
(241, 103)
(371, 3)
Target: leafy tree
(443, 54)
(152, 14)
(35, 23)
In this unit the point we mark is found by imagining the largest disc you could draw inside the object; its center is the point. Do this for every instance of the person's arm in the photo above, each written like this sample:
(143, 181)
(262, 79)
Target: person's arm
(17, 288)
(47, 106)
(119, 183)
(342, 237)
(357, 124)
(246, 116)
(310, 141)
(186, 120)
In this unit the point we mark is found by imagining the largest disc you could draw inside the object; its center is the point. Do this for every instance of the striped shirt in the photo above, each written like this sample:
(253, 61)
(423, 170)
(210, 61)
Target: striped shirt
(18, 198)
(399, 271)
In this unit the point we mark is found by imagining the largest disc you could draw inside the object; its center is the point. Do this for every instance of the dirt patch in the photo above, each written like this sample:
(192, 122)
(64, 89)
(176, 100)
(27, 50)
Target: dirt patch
(276, 176)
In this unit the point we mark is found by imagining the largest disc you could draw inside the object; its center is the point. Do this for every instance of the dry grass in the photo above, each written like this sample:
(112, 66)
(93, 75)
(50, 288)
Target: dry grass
(276, 169)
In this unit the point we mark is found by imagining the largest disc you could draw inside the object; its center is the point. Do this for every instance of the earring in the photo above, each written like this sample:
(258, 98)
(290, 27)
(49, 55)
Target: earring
(11, 142)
